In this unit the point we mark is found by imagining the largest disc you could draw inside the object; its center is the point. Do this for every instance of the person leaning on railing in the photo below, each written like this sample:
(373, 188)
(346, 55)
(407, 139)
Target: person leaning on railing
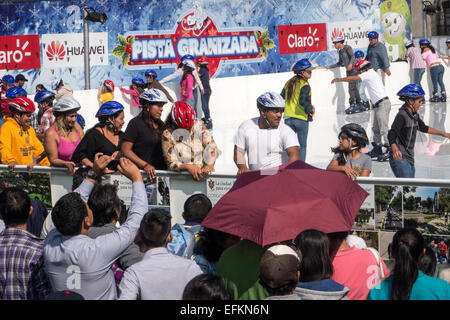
(187, 144)
(142, 138)
(62, 138)
(18, 142)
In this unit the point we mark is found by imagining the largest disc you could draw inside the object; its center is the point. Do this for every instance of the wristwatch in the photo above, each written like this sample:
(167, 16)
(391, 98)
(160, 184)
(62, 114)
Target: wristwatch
(91, 174)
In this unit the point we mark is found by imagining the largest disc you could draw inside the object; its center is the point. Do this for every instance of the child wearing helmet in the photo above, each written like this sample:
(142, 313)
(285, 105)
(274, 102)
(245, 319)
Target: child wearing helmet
(105, 136)
(106, 92)
(348, 157)
(435, 68)
(187, 144)
(136, 88)
(299, 109)
(402, 135)
(18, 142)
(45, 118)
(365, 104)
(447, 42)
(63, 137)
(142, 139)
(381, 105)
(187, 82)
(203, 71)
(414, 57)
(267, 140)
(152, 83)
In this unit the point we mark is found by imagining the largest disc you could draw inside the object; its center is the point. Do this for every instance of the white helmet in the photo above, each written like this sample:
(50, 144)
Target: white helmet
(66, 104)
(152, 96)
(56, 83)
(189, 63)
(270, 100)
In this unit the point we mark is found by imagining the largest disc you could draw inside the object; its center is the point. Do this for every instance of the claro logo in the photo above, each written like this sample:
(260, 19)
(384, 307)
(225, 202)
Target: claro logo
(302, 38)
(56, 51)
(19, 52)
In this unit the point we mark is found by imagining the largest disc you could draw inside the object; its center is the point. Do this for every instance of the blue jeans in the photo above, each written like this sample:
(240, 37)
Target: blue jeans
(417, 75)
(191, 103)
(437, 74)
(300, 127)
(402, 168)
(205, 103)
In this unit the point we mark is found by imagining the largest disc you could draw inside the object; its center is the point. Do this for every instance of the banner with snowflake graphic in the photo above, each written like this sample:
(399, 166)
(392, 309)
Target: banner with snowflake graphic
(238, 38)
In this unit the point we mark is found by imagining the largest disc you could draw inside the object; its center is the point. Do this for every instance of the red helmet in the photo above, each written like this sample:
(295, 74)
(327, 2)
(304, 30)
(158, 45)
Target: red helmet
(109, 84)
(22, 104)
(201, 60)
(183, 114)
(361, 64)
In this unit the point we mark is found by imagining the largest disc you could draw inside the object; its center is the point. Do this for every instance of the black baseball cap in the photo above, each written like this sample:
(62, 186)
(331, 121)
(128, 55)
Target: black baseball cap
(20, 77)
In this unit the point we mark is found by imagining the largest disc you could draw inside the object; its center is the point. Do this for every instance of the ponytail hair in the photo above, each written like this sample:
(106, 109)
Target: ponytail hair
(290, 87)
(407, 249)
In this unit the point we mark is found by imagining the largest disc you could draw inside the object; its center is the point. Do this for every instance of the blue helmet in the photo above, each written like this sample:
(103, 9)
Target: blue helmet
(15, 92)
(301, 65)
(270, 100)
(8, 79)
(424, 41)
(43, 95)
(153, 96)
(151, 73)
(372, 35)
(187, 56)
(80, 120)
(411, 91)
(109, 108)
(138, 81)
(359, 54)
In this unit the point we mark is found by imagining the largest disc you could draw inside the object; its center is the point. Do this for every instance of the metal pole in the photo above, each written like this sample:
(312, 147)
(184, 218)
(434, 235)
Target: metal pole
(87, 71)
(424, 21)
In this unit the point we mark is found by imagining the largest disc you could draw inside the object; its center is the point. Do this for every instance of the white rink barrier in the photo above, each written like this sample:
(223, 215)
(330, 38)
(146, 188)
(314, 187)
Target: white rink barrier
(233, 100)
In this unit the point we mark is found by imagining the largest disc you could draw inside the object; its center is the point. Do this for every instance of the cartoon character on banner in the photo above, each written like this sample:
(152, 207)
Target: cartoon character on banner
(395, 16)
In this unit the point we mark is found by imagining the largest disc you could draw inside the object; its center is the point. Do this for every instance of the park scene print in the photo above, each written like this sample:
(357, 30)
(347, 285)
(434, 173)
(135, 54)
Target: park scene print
(427, 209)
(389, 208)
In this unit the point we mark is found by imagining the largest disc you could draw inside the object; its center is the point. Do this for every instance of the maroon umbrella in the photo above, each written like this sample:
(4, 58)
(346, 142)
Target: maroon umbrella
(268, 208)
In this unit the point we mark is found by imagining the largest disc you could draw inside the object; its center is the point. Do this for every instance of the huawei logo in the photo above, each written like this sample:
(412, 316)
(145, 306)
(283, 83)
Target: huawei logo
(56, 51)
(336, 33)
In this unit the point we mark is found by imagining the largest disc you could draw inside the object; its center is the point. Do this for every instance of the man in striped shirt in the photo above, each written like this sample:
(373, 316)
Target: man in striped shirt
(22, 275)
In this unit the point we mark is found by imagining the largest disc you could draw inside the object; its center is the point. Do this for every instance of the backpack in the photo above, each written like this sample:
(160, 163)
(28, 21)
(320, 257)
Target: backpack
(184, 239)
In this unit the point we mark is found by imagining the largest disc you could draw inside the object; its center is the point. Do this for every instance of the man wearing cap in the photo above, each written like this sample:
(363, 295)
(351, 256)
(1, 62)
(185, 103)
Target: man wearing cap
(347, 60)
(279, 272)
(378, 56)
(20, 80)
(414, 57)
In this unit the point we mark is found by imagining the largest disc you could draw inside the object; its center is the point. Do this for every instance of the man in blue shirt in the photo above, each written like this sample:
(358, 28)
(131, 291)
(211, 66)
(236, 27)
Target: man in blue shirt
(377, 55)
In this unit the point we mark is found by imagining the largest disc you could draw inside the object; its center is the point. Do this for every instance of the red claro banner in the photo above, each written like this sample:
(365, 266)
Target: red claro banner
(302, 38)
(20, 52)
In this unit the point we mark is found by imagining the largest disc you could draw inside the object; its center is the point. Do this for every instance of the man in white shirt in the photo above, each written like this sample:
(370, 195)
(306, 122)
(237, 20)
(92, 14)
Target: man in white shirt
(381, 106)
(75, 262)
(266, 140)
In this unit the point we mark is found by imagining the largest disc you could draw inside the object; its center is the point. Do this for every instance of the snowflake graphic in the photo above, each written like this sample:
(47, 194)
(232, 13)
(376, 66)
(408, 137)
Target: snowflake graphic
(47, 25)
(34, 12)
(7, 26)
(115, 17)
(58, 9)
(101, 3)
(19, 9)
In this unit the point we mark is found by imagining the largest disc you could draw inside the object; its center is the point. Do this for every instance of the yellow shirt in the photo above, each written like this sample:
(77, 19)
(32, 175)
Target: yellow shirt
(293, 108)
(107, 96)
(19, 145)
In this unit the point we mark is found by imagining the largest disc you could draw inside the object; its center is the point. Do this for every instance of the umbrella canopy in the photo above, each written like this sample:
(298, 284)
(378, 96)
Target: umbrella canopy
(268, 208)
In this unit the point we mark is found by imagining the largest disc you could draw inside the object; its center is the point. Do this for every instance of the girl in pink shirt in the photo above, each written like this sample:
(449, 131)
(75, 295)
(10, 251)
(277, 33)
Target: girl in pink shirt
(136, 88)
(187, 83)
(436, 70)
